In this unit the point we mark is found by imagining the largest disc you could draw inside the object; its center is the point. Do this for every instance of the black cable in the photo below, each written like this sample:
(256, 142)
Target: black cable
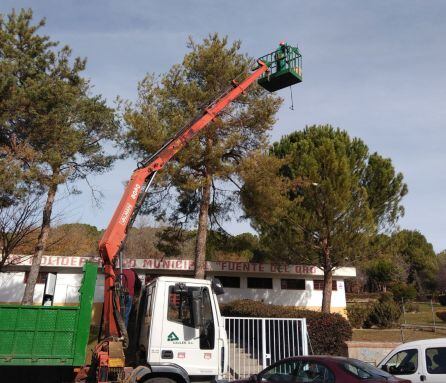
(121, 323)
(292, 101)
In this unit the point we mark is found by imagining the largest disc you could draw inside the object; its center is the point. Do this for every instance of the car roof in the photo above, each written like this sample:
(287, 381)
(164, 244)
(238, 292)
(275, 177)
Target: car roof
(330, 359)
(324, 357)
(423, 342)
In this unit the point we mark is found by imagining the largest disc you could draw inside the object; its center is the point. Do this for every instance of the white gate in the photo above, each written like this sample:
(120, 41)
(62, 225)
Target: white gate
(256, 343)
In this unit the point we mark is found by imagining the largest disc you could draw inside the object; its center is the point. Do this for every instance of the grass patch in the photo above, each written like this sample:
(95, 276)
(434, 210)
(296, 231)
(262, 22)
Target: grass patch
(393, 335)
(424, 316)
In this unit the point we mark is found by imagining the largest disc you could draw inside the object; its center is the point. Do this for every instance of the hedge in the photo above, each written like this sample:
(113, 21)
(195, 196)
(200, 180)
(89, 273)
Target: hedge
(327, 332)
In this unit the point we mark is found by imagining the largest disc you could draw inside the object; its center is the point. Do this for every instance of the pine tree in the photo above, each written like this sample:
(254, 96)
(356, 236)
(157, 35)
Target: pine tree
(318, 197)
(47, 111)
(200, 178)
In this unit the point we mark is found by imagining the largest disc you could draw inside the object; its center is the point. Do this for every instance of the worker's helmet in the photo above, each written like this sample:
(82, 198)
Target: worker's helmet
(282, 43)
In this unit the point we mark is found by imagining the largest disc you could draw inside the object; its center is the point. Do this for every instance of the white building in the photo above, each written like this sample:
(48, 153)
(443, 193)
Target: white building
(288, 285)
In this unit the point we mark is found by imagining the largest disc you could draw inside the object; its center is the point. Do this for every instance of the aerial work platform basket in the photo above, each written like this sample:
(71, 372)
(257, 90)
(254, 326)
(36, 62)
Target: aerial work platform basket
(285, 68)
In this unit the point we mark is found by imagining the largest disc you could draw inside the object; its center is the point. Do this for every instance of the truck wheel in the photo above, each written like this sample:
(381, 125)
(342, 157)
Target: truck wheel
(159, 380)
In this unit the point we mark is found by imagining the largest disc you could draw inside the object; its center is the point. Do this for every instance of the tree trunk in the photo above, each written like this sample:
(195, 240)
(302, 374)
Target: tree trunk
(326, 294)
(40, 246)
(328, 277)
(4, 257)
(202, 231)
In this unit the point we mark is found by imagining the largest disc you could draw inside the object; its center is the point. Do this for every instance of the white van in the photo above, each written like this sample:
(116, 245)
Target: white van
(420, 361)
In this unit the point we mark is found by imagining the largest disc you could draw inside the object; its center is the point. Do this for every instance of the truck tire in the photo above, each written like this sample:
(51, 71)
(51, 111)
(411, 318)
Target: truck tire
(159, 380)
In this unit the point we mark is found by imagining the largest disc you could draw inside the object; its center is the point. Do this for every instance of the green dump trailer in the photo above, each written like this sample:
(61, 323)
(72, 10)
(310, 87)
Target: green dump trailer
(48, 335)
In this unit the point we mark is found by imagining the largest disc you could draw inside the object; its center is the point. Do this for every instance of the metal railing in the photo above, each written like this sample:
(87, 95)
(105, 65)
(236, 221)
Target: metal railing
(292, 61)
(256, 343)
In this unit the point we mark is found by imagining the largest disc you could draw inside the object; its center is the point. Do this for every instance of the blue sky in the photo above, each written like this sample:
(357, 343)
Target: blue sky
(375, 69)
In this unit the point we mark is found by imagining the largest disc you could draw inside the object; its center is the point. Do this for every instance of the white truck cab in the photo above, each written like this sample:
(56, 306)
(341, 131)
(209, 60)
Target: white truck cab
(419, 361)
(181, 332)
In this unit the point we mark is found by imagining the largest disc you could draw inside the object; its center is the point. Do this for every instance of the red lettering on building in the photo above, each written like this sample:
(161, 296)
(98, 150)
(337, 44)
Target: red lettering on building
(171, 264)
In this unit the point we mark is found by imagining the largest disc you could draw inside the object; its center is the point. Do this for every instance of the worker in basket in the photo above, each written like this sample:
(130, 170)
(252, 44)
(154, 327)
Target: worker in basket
(281, 56)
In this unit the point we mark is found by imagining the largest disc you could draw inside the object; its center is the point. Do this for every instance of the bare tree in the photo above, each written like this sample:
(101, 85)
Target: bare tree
(18, 222)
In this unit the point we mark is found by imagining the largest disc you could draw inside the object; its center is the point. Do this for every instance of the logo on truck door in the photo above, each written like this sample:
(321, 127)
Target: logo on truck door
(172, 337)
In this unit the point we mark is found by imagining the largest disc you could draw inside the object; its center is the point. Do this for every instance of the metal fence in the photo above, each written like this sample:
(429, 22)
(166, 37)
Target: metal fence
(256, 343)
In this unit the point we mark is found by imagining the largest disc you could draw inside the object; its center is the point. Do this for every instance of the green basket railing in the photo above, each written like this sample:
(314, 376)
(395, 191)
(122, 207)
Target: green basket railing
(285, 68)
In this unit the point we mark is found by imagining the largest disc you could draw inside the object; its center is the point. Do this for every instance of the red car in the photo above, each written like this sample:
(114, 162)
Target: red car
(322, 369)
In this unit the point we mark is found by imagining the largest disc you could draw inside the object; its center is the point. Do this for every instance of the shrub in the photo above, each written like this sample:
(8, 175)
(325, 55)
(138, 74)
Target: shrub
(357, 314)
(386, 297)
(442, 299)
(411, 307)
(328, 332)
(402, 291)
(384, 314)
(441, 315)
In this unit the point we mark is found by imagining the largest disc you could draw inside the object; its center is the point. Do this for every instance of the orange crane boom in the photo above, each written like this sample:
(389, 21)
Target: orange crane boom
(114, 236)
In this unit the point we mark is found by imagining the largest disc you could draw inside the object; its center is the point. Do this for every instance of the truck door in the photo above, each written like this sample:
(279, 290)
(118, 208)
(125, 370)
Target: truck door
(182, 343)
(405, 364)
(435, 364)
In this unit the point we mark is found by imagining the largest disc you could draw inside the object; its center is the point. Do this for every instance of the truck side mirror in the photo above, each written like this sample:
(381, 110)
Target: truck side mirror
(197, 309)
(217, 286)
(385, 368)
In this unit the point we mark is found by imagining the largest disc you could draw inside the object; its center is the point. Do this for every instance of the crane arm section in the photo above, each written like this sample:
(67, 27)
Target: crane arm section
(136, 189)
